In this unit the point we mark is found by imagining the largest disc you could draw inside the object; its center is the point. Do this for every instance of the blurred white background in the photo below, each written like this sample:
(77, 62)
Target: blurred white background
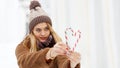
(98, 21)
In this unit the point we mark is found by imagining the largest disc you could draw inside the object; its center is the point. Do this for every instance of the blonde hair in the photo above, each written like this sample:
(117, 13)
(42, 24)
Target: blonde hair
(32, 39)
(55, 35)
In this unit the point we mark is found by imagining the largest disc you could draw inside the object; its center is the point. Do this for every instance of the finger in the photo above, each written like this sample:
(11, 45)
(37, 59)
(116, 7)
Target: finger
(77, 55)
(62, 47)
(60, 50)
(73, 59)
(62, 44)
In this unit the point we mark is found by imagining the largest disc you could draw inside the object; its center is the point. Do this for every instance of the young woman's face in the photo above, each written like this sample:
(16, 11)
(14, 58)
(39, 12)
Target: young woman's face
(41, 31)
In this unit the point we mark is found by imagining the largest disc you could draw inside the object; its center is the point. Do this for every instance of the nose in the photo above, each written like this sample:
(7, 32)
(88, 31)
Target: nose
(42, 33)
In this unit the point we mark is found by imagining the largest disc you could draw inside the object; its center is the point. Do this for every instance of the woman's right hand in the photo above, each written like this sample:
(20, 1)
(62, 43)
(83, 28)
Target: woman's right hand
(59, 49)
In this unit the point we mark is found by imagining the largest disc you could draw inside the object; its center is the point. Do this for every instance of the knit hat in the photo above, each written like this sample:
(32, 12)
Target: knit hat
(37, 15)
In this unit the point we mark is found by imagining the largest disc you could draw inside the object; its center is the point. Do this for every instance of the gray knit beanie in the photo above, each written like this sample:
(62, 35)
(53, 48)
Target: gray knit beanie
(37, 15)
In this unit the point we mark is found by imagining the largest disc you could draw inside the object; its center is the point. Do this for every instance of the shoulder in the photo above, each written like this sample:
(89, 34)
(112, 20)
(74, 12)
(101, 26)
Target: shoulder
(25, 44)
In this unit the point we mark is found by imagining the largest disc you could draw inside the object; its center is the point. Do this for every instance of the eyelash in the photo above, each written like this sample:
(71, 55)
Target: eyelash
(46, 28)
(38, 30)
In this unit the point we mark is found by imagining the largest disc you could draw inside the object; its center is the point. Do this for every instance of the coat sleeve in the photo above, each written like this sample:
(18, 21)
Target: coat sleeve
(26, 59)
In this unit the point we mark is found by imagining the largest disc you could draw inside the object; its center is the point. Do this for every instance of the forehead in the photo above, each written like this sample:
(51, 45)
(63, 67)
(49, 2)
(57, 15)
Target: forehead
(41, 25)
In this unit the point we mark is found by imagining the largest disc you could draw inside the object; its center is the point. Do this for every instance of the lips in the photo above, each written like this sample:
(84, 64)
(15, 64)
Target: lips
(42, 39)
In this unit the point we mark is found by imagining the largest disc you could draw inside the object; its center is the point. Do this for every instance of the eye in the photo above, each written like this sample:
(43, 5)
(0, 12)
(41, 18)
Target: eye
(46, 29)
(38, 30)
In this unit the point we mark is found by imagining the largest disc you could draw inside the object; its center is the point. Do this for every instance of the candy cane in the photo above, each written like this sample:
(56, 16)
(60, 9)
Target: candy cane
(75, 33)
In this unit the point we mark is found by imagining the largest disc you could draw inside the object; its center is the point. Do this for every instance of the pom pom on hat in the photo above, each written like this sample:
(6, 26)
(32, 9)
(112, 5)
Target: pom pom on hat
(34, 4)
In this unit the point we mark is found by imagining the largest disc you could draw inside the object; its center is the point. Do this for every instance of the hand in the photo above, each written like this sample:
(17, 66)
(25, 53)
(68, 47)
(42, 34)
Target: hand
(74, 59)
(59, 49)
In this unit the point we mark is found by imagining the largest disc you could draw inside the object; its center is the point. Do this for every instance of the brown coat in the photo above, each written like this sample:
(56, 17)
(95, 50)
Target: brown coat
(37, 59)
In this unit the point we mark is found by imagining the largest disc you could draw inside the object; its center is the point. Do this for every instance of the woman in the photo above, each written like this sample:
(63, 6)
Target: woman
(42, 47)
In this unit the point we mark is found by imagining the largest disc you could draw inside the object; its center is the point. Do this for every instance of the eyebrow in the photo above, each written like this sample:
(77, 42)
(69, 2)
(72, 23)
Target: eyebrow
(43, 28)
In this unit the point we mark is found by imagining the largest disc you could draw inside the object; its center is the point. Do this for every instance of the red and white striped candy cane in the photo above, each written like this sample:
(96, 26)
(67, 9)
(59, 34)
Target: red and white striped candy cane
(73, 34)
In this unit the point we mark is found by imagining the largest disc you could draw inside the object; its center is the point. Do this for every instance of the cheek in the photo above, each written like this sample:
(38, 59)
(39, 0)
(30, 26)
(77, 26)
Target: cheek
(48, 33)
(36, 34)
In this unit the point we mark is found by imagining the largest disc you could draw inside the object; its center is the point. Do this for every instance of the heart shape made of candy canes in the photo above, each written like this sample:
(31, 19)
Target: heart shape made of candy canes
(72, 38)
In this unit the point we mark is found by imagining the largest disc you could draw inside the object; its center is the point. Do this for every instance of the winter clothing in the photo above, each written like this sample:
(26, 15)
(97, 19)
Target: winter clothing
(37, 15)
(38, 59)
(48, 43)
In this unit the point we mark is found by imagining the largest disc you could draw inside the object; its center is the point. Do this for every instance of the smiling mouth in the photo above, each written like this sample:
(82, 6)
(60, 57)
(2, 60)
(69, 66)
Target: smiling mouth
(43, 38)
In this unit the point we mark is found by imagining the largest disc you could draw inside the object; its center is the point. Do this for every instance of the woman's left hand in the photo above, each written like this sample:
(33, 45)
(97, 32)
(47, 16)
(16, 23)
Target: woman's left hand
(74, 58)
